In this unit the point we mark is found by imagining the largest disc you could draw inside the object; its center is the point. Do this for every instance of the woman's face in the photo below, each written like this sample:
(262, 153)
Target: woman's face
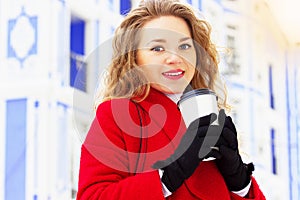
(166, 54)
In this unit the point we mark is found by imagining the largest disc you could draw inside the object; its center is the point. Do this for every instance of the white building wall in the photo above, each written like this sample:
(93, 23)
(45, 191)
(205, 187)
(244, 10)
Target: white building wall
(58, 116)
(53, 134)
(260, 44)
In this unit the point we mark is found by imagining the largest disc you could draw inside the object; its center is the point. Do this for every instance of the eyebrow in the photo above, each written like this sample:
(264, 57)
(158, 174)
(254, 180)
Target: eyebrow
(157, 40)
(164, 41)
(184, 39)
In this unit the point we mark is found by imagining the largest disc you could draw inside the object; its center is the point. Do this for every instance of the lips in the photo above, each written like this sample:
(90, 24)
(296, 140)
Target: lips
(173, 74)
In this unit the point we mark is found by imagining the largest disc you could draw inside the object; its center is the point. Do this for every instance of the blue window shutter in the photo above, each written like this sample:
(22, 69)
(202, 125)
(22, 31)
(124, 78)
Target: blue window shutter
(15, 149)
(78, 68)
(125, 6)
(77, 35)
(78, 73)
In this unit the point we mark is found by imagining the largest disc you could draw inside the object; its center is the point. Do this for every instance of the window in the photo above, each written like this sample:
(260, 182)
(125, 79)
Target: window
(78, 67)
(232, 60)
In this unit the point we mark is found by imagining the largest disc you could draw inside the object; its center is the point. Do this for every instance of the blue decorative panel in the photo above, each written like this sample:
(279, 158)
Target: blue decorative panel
(15, 149)
(18, 46)
(77, 35)
(78, 67)
(125, 6)
(10, 51)
(78, 72)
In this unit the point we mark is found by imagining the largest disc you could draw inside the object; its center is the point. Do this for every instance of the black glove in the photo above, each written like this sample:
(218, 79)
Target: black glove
(194, 146)
(236, 174)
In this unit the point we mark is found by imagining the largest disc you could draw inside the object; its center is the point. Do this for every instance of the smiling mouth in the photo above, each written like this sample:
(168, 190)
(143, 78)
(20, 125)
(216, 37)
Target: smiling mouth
(173, 73)
(176, 74)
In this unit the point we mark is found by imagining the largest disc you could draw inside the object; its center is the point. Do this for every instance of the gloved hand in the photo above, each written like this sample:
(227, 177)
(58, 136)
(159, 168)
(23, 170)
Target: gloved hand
(236, 174)
(194, 146)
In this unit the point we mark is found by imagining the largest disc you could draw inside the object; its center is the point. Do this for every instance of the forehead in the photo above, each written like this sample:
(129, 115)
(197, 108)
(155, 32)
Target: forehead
(166, 26)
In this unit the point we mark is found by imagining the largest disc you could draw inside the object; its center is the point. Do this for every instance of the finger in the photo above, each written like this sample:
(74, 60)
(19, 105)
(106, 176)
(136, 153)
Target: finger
(214, 153)
(230, 137)
(189, 143)
(250, 168)
(205, 120)
(203, 152)
(221, 141)
(229, 123)
(227, 152)
(213, 117)
(212, 136)
(221, 118)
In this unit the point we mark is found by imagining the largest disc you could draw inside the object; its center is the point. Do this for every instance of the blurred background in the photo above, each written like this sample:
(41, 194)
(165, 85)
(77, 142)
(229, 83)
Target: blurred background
(50, 67)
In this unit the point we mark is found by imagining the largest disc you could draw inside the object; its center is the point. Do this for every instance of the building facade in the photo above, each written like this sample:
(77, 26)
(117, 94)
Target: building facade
(51, 58)
(262, 72)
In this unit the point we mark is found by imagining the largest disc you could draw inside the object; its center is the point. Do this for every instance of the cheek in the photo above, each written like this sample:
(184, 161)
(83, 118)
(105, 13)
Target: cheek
(190, 73)
(191, 63)
(192, 59)
(139, 58)
(143, 57)
(151, 72)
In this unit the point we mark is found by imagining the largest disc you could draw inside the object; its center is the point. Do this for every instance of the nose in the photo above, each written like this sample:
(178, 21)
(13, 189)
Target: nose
(173, 58)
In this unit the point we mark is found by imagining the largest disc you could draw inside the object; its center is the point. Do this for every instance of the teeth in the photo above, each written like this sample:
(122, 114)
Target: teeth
(173, 74)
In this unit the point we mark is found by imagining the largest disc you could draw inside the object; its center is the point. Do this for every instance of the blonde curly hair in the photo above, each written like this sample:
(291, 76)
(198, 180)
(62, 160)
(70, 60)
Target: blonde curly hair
(124, 79)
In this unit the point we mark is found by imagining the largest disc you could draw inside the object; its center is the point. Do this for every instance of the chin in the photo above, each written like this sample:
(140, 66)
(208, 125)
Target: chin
(168, 90)
(173, 91)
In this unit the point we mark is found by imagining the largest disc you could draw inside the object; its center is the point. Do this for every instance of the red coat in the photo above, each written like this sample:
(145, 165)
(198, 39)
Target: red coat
(116, 161)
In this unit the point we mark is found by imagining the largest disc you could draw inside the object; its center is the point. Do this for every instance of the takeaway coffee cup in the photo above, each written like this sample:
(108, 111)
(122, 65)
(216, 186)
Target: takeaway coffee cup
(197, 103)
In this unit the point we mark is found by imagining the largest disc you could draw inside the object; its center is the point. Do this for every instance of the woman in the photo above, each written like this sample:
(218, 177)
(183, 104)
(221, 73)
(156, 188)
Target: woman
(138, 146)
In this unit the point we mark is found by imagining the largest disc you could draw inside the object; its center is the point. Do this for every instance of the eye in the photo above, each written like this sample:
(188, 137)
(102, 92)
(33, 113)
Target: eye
(185, 46)
(157, 48)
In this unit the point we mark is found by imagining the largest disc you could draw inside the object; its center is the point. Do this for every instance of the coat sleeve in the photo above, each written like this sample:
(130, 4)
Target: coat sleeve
(97, 181)
(105, 165)
(254, 193)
